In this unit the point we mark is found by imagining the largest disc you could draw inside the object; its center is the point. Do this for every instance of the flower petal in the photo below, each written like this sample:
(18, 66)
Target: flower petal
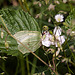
(57, 31)
(59, 17)
(46, 43)
(62, 39)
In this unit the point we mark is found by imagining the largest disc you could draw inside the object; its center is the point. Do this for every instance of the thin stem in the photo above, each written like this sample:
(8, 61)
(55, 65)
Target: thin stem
(22, 64)
(21, 5)
(17, 66)
(6, 38)
(25, 3)
(27, 65)
(53, 64)
(34, 62)
(55, 60)
(23, 44)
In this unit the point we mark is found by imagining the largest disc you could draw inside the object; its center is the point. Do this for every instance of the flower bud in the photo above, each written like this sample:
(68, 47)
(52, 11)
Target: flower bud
(22, 0)
(72, 33)
(58, 44)
(64, 1)
(43, 73)
(39, 4)
(6, 45)
(2, 34)
(50, 32)
(57, 52)
(45, 28)
(46, 1)
(49, 20)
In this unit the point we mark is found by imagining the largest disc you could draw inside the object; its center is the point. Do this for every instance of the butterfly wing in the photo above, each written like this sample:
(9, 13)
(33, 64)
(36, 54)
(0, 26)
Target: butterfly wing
(31, 39)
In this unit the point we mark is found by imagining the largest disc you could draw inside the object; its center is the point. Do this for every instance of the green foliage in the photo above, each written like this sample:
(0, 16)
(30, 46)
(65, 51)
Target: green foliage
(25, 28)
(70, 20)
(16, 20)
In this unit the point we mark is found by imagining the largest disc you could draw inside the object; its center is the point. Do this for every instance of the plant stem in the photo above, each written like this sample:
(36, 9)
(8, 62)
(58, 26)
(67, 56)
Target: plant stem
(22, 64)
(27, 65)
(23, 44)
(25, 3)
(34, 62)
(21, 5)
(17, 66)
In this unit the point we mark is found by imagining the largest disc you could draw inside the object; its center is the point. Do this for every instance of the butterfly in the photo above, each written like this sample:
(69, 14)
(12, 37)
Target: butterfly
(31, 39)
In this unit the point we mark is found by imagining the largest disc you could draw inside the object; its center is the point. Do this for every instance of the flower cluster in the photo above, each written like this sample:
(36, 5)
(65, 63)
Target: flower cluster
(54, 39)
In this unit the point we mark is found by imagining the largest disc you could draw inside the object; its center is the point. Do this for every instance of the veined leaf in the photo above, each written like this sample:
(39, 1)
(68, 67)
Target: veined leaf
(70, 20)
(16, 21)
(31, 39)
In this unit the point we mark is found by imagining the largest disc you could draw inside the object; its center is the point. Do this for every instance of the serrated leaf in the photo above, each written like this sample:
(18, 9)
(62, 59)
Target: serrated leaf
(70, 20)
(31, 39)
(16, 20)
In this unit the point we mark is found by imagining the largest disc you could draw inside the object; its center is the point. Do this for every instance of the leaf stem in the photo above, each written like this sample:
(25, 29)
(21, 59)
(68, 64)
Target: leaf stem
(23, 44)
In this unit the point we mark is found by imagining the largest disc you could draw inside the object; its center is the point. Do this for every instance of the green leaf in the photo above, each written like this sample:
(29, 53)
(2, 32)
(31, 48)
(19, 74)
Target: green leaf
(31, 39)
(12, 50)
(70, 20)
(16, 21)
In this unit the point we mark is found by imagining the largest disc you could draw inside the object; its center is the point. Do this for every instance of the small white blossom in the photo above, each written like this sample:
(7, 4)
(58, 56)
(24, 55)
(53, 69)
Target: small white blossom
(45, 40)
(51, 7)
(2, 34)
(57, 31)
(59, 17)
(57, 2)
(55, 39)
(49, 20)
(64, 1)
(22, 0)
(72, 33)
(58, 38)
(39, 4)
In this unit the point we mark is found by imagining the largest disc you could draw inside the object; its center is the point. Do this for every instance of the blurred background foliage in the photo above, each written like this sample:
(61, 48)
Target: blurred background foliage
(43, 11)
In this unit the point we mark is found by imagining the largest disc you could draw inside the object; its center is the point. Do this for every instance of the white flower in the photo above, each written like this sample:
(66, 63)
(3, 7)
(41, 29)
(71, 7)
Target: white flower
(55, 39)
(45, 40)
(58, 38)
(59, 17)
(64, 1)
(51, 7)
(57, 31)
